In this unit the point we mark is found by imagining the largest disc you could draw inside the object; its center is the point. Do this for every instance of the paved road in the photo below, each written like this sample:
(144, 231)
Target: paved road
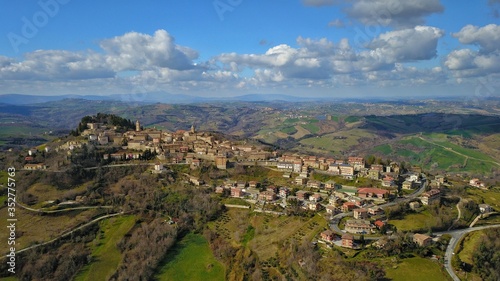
(62, 210)
(69, 232)
(456, 236)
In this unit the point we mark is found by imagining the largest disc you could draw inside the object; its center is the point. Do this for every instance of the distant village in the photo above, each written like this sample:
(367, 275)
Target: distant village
(329, 197)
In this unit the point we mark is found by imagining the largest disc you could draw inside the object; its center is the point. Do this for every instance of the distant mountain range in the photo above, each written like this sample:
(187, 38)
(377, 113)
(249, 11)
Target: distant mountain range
(162, 97)
(20, 99)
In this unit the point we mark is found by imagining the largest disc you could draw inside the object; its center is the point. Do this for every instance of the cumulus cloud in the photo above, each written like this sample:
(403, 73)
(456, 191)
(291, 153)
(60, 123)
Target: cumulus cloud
(56, 65)
(130, 52)
(134, 51)
(487, 37)
(396, 13)
(418, 43)
(471, 63)
(319, 59)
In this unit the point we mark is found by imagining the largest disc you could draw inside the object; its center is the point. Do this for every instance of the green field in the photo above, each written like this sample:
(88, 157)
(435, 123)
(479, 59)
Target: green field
(311, 126)
(442, 155)
(191, 259)
(106, 256)
(290, 130)
(413, 222)
(384, 149)
(470, 242)
(332, 142)
(490, 197)
(416, 269)
(352, 119)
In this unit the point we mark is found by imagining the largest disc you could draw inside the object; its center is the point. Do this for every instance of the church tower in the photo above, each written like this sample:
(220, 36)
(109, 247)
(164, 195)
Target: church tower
(193, 131)
(137, 126)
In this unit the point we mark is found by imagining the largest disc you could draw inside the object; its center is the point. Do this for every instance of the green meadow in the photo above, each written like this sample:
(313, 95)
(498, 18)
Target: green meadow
(191, 259)
(105, 254)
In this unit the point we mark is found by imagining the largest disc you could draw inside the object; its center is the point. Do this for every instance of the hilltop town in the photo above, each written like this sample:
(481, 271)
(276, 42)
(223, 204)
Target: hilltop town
(317, 184)
(354, 202)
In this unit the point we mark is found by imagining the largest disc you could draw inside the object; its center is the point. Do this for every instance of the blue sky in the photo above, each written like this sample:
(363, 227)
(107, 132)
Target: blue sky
(411, 48)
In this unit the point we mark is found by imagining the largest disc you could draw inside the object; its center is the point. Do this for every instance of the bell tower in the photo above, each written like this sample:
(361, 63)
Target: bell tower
(137, 126)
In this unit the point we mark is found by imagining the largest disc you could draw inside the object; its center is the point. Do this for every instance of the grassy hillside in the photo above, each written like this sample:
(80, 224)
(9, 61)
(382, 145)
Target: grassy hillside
(416, 269)
(105, 254)
(191, 259)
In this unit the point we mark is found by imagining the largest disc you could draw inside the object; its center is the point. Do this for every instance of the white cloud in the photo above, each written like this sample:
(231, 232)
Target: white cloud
(136, 51)
(471, 63)
(130, 52)
(487, 37)
(56, 65)
(418, 43)
(336, 23)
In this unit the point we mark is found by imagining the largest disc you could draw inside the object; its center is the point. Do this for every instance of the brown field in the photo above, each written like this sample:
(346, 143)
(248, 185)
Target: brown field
(32, 227)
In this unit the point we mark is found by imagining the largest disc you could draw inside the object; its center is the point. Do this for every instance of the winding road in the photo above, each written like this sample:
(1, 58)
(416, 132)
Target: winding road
(456, 236)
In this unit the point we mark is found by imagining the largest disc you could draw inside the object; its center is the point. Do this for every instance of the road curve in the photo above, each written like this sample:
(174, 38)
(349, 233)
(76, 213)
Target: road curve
(70, 232)
(456, 236)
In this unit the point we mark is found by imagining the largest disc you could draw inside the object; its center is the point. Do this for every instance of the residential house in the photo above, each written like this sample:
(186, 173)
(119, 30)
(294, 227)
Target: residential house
(301, 194)
(440, 179)
(158, 166)
(387, 181)
(360, 214)
(377, 167)
(485, 208)
(371, 192)
(330, 184)
(219, 189)
(374, 174)
(221, 162)
(314, 184)
(297, 166)
(431, 196)
(31, 167)
(327, 235)
(348, 241)
(375, 211)
(285, 166)
(333, 200)
(358, 226)
(253, 184)
(414, 205)
(346, 170)
(330, 209)
(334, 169)
(300, 180)
(241, 184)
(314, 206)
(476, 183)
(272, 188)
(195, 163)
(379, 224)
(357, 162)
(416, 169)
(284, 192)
(422, 240)
(267, 196)
(236, 192)
(316, 197)
(408, 185)
(348, 206)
